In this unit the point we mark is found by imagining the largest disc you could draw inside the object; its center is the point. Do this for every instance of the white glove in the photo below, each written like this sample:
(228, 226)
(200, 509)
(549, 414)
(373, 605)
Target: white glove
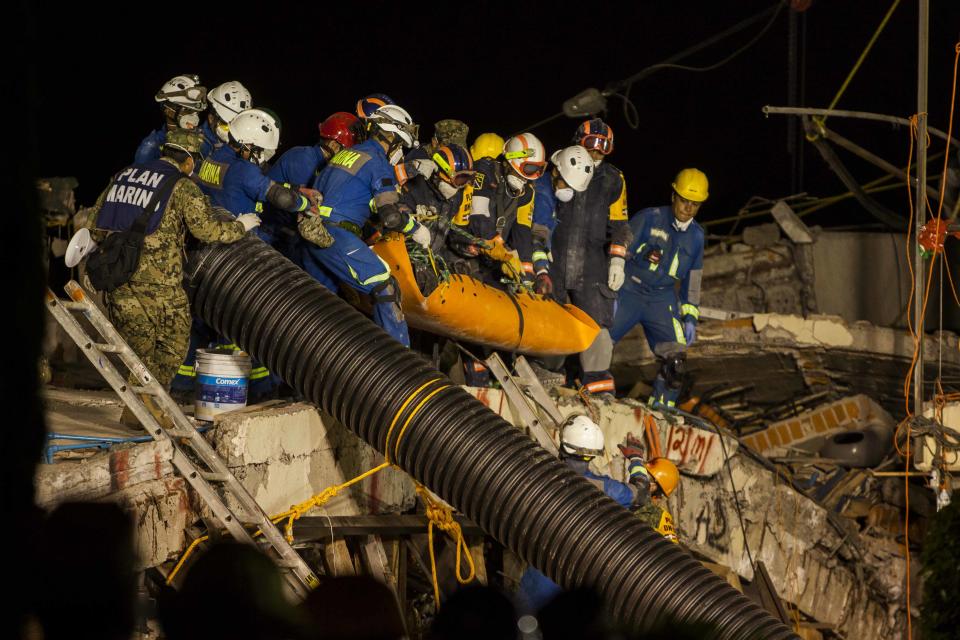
(425, 167)
(615, 275)
(249, 221)
(421, 235)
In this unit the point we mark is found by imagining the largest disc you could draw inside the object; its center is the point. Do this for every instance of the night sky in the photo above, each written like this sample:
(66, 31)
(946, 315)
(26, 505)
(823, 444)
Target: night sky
(499, 66)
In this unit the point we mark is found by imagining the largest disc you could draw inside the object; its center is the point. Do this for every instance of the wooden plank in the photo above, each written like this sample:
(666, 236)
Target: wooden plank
(476, 552)
(338, 558)
(317, 528)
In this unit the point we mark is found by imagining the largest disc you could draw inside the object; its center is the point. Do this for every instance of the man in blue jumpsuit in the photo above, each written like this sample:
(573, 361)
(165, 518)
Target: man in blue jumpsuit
(662, 289)
(299, 167)
(581, 440)
(226, 102)
(183, 98)
(233, 180)
(354, 183)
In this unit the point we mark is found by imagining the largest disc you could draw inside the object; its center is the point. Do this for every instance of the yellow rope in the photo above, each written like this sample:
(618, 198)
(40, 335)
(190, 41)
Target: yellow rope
(856, 67)
(176, 569)
(441, 516)
(296, 511)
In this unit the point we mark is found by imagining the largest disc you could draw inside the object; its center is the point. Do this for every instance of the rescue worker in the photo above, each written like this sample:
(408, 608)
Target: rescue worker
(368, 105)
(502, 207)
(440, 200)
(182, 99)
(581, 440)
(588, 246)
(233, 180)
(226, 102)
(298, 167)
(151, 311)
(351, 181)
(665, 270)
(445, 132)
(661, 479)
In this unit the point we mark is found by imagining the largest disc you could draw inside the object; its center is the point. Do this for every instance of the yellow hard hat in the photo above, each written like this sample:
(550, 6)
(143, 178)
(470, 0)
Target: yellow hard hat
(487, 145)
(692, 184)
(665, 473)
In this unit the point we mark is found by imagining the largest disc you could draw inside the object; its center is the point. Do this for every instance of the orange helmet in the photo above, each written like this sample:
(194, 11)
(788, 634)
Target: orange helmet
(665, 474)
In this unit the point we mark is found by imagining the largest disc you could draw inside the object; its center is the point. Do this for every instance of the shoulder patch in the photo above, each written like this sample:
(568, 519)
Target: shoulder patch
(656, 232)
(478, 180)
(349, 160)
(213, 173)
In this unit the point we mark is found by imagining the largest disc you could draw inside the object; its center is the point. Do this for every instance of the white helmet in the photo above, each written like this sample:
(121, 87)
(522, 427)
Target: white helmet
(229, 99)
(526, 155)
(257, 130)
(581, 437)
(395, 119)
(183, 91)
(575, 166)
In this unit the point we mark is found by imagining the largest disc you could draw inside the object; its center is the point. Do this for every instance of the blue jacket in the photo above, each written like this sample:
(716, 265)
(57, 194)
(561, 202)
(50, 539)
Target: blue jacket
(298, 166)
(681, 256)
(233, 183)
(210, 140)
(352, 179)
(149, 148)
(536, 589)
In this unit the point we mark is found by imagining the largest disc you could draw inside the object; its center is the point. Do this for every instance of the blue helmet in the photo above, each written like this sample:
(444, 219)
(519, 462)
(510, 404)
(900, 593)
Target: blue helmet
(366, 106)
(595, 135)
(455, 164)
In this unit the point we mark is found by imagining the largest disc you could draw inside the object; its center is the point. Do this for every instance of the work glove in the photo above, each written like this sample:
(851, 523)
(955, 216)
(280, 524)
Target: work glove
(312, 195)
(249, 221)
(511, 267)
(689, 330)
(544, 285)
(424, 167)
(421, 235)
(425, 211)
(615, 275)
(630, 451)
(653, 255)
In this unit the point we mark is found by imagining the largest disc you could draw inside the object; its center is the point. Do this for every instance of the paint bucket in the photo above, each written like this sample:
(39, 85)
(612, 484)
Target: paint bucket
(222, 379)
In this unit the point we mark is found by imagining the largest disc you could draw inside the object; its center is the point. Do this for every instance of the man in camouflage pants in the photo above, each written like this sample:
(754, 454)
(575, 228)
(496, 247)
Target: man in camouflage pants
(151, 311)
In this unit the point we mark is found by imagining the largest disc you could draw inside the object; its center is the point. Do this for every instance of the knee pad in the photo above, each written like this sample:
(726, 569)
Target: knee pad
(673, 368)
(385, 292)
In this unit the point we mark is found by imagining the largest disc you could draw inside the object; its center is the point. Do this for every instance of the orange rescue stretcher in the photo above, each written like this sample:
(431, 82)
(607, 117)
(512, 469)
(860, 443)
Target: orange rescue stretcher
(464, 308)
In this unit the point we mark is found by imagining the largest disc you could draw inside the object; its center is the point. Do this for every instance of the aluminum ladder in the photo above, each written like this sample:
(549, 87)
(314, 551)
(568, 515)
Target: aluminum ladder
(525, 393)
(193, 456)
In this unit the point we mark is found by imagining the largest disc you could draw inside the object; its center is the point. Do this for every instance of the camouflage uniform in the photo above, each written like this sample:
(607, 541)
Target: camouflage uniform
(151, 311)
(659, 520)
(312, 229)
(451, 132)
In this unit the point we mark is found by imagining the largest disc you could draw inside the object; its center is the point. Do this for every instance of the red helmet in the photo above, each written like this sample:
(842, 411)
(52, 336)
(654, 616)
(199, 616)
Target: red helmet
(343, 127)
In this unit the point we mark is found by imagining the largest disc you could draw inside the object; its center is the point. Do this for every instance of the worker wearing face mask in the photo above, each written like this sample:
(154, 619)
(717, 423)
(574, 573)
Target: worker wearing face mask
(588, 247)
(226, 102)
(182, 99)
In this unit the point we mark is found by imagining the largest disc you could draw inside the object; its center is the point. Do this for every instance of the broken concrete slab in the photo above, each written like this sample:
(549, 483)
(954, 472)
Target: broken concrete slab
(696, 451)
(162, 511)
(809, 430)
(286, 454)
(104, 473)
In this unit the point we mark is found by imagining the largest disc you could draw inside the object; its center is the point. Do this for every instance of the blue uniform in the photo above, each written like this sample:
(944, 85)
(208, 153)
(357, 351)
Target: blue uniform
(297, 167)
(650, 295)
(238, 186)
(210, 140)
(149, 148)
(349, 184)
(544, 221)
(536, 589)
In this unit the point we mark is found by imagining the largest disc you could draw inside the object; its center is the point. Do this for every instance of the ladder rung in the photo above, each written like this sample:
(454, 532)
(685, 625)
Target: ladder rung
(74, 306)
(181, 433)
(287, 564)
(244, 518)
(211, 476)
(106, 347)
(146, 391)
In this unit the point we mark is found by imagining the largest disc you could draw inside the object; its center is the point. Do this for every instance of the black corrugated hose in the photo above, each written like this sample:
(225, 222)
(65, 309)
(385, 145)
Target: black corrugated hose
(530, 502)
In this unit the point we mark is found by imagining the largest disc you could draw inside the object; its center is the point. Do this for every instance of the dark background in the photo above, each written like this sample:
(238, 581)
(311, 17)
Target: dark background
(500, 66)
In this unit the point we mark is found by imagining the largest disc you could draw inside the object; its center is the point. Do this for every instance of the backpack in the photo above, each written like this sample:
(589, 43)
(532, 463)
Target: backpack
(116, 259)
